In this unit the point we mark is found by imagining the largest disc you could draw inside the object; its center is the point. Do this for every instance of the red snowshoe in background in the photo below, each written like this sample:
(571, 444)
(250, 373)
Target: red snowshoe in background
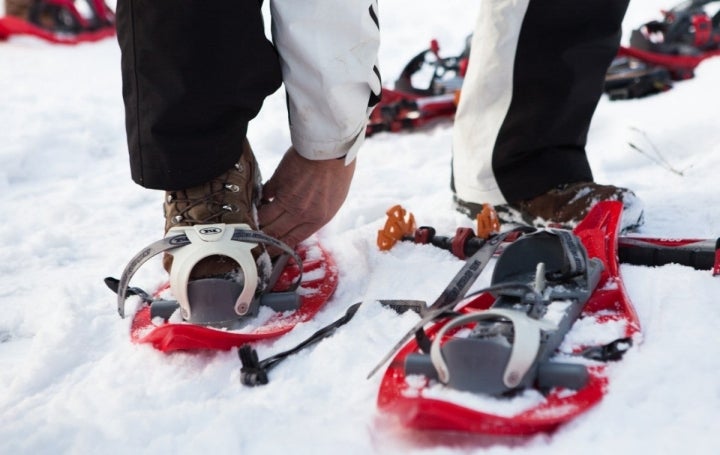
(62, 21)
(688, 34)
(426, 91)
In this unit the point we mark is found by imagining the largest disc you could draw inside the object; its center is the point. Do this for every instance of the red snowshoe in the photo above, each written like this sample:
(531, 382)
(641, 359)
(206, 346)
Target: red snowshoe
(687, 34)
(527, 354)
(219, 313)
(62, 21)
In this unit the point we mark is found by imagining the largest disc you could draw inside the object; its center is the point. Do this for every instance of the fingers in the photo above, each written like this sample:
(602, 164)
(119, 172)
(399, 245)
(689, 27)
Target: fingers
(268, 212)
(284, 227)
(302, 196)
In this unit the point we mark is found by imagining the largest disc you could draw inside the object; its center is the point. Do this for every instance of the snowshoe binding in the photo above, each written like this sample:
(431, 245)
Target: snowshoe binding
(529, 352)
(542, 282)
(212, 312)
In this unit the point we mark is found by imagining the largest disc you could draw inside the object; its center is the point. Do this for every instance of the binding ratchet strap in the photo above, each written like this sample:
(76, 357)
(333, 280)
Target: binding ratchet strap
(194, 243)
(525, 346)
(575, 258)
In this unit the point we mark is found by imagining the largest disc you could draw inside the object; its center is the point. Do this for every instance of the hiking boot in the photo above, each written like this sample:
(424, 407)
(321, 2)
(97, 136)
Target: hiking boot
(229, 198)
(564, 206)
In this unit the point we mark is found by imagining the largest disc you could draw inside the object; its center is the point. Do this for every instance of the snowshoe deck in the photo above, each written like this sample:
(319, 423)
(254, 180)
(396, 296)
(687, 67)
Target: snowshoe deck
(420, 403)
(320, 276)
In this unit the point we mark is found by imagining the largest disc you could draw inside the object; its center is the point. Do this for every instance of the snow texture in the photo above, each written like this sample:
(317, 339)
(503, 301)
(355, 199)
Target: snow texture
(72, 382)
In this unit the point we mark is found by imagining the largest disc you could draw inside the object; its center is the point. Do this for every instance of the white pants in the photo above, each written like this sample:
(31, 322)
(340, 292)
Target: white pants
(328, 54)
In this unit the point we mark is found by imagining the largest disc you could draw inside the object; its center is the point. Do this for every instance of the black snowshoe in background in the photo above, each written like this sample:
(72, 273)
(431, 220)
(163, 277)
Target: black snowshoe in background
(629, 78)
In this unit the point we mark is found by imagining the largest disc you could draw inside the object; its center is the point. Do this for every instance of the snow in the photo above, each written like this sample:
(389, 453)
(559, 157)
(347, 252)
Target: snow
(525, 401)
(72, 382)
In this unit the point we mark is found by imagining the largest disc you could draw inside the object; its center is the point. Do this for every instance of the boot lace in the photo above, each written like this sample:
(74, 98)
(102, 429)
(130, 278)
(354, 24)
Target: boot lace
(214, 201)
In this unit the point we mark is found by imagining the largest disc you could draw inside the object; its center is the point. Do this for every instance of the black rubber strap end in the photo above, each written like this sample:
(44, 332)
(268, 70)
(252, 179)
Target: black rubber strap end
(252, 372)
(112, 283)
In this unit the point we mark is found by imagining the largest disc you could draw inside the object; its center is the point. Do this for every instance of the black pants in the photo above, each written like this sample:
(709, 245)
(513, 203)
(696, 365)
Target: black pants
(563, 54)
(194, 72)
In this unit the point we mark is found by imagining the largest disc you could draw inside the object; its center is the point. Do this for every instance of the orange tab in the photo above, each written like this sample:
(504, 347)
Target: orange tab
(456, 98)
(487, 222)
(396, 226)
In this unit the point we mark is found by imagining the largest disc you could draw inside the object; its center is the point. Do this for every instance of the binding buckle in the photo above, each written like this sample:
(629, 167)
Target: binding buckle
(210, 240)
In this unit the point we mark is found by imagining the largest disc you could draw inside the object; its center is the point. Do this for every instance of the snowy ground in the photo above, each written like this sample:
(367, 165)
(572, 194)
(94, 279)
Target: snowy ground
(71, 381)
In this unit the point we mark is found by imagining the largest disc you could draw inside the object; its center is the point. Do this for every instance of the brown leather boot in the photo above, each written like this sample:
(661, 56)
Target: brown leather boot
(565, 206)
(230, 198)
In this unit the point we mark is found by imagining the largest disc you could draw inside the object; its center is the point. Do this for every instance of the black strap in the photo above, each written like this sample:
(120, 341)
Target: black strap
(255, 372)
(575, 261)
(421, 337)
(114, 285)
(608, 352)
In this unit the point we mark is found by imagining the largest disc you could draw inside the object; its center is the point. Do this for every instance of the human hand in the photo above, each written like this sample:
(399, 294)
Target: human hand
(302, 196)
